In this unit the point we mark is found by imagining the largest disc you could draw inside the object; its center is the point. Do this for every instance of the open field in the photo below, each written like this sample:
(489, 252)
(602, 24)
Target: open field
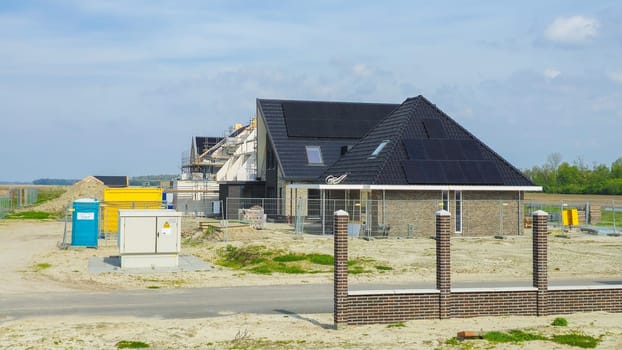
(31, 262)
(572, 198)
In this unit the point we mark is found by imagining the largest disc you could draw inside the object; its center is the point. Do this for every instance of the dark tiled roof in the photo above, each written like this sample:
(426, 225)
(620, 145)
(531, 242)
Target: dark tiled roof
(113, 181)
(422, 140)
(290, 144)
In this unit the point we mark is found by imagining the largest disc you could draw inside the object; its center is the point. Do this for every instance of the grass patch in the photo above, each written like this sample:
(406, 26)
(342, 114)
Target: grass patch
(396, 325)
(452, 341)
(518, 336)
(238, 258)
(153, 287)
(383, 268)
(321, 259)
(41, 266)
(290, 257)
(259, 259)
(513, 336)
(574, 339)
(560, 322)
(29, 215)
(356, 270)
(131, 344)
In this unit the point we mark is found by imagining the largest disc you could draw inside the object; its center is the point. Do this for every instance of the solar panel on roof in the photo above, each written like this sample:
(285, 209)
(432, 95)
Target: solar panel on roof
(451, 172)
(434, 128)
(471, 172)
(490, 172)
(442, 149)
(453, 150)
(471, 150)
(434, 150)
(414, 148)
(331, 119)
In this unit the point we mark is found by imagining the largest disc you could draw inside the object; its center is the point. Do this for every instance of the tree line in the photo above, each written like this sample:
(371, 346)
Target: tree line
(556, 176)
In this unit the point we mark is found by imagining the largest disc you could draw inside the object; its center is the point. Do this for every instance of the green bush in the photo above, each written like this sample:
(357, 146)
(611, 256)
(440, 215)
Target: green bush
(560, 321)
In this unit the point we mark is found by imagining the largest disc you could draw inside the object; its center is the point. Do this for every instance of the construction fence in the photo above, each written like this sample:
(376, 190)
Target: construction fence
(595, 215)
(16, 198)
(385, 218)
(382, 218)
(415, 218)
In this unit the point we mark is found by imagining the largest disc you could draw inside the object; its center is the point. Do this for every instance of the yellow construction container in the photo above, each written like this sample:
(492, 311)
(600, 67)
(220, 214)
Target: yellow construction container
(570, 217)
(127, 198)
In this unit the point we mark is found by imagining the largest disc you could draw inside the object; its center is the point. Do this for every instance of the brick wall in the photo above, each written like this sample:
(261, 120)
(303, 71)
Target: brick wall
(566, 300)
(392, 307)
(367, 307)
(493, 303)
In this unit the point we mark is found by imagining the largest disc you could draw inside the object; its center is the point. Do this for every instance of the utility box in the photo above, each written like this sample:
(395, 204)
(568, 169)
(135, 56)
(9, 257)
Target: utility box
(149, 238)
(85, 223)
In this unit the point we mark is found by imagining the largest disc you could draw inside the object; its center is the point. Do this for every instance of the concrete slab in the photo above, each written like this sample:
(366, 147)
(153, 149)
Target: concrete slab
(113, 264)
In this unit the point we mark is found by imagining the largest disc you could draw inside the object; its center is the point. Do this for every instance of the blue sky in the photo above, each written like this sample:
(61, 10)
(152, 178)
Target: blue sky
(120, 87)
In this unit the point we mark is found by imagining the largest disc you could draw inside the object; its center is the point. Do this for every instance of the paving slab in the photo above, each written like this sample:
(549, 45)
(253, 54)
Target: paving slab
(113, 264)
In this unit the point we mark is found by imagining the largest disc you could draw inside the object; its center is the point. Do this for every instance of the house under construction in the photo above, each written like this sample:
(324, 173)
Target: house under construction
(212, 160)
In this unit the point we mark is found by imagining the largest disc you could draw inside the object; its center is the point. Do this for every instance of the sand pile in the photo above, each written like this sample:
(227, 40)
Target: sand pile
(89, 187)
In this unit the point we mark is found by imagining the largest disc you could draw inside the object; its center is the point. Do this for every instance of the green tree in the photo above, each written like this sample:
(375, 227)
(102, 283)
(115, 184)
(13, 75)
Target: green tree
(616, 169)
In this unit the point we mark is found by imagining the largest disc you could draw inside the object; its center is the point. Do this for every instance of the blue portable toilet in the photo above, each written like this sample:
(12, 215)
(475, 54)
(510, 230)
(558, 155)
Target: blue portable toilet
(85, 222)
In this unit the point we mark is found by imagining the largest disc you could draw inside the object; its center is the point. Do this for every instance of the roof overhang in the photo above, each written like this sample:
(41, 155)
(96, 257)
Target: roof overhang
(416, 187)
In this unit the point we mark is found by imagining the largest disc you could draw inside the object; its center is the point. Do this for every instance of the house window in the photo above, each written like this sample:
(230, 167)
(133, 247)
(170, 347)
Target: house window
(378, 149)
(458, 214)
(314, 155)
(270, 162)
(445, 197)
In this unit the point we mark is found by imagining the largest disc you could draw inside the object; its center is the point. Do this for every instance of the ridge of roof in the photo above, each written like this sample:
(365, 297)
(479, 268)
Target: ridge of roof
(273, 100)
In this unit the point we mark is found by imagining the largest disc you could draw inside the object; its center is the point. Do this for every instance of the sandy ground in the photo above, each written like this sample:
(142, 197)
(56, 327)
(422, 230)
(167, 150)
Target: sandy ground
(26, 245)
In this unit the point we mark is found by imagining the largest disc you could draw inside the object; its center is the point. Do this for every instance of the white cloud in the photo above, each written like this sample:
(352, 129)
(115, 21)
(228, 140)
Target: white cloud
(361, 70)
(615, 77)
(551, 73)
(572, 30)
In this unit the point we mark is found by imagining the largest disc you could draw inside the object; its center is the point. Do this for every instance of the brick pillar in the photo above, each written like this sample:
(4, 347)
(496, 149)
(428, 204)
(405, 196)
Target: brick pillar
(443, 262)
(341, 268)
(540, 277)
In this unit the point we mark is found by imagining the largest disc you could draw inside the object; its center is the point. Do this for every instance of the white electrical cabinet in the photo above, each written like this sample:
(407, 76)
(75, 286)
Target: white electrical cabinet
(149, 238)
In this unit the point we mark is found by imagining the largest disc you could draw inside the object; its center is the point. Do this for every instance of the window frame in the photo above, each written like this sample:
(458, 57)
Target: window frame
(445, 200)
(458, 199)
(309, 150)
(379, 149)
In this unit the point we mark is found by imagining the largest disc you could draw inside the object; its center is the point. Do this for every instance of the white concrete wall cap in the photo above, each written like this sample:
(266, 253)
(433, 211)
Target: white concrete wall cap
(341, 212)
(540, 213)
(442, 213)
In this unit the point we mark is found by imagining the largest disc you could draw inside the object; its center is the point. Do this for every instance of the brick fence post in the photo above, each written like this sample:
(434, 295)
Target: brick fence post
(341, 268)
(540, 277)
(443, 262)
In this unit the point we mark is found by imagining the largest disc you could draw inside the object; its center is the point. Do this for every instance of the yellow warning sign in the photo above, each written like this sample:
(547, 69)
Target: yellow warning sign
(166, 228)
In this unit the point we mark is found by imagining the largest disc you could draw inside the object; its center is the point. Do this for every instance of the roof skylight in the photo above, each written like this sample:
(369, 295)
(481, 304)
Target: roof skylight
(378, 149)
(314, 155)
